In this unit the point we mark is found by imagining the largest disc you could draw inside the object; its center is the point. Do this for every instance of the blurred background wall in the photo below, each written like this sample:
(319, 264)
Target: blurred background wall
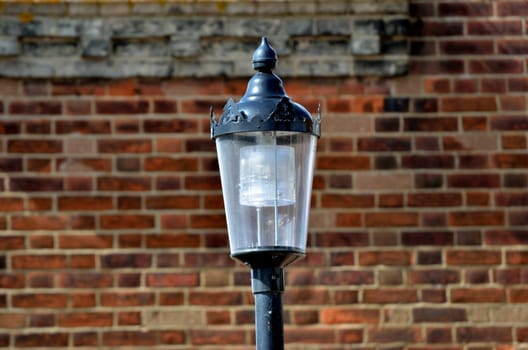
(112, 228)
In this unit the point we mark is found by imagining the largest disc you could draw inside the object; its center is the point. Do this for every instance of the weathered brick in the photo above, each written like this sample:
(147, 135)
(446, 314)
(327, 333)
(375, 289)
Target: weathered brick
(428, 314)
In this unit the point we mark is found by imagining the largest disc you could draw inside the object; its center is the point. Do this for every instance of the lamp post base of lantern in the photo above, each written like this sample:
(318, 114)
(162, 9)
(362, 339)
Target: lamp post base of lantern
(277, 256)
(267, 285)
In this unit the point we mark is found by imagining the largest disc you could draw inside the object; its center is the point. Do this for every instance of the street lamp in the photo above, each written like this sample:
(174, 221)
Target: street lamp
(266, 150)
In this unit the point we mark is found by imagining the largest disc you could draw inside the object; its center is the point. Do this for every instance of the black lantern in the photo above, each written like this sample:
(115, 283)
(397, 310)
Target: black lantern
(266, 152)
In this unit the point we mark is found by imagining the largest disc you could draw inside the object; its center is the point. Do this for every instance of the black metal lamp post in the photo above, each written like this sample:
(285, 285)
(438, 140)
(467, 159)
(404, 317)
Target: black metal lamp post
(266, 149)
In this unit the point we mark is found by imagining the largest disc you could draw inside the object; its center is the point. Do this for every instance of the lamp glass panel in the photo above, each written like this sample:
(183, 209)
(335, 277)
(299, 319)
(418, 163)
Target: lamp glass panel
(267, 175)
(266, 182)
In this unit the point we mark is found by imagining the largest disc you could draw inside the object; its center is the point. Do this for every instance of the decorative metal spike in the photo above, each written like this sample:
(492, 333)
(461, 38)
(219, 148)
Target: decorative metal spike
(317, 122)
(213, 121)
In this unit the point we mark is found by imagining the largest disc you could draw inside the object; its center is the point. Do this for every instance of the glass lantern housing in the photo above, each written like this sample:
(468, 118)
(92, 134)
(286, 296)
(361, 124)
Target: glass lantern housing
(266, 152)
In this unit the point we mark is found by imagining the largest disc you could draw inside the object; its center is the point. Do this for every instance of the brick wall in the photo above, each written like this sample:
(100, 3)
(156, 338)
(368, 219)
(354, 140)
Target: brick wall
(113, 233)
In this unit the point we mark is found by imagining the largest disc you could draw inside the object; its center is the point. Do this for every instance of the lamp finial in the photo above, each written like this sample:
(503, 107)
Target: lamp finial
(265, 56)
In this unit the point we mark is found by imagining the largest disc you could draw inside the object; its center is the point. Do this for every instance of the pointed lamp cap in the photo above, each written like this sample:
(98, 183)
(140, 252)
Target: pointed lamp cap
(265, 56)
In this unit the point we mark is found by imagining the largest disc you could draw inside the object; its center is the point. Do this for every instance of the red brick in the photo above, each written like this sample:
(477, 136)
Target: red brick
(86, 261)
(82, 126)
(127, 126)
(11, 281)
(32, 340)
(170, 164)
(12, 320)
(124, 146)
(346, 277)
(506, 237)
(39, 165)
(201, 106)
(342, 258)
(85, 339)
(391, 201)
(130, 318)
(52, 301)
(129, 280)
(207, 259)
(495, 27)
(129, 338)
(426, 124)
(35, 107)
(217, 337)
(202, 221)
(349, 315)
(85, 319)
(180, 240)
(310, 336)
(391, 219)
(85, 203)
(342, 239)
(173, 221)
(513, 47)
(123, 183)
(168, 145)
(436, 315)
(84, 280)
(496, 66)
(391, 258)
(394, 334)
(512, 8)
(307, 296)
(125, 299)
(171, 298)
(343, 163)
(468, 104)
(126, 260)
(484, 334)
(12, 243)
(85, 241)
(434, 199)
(173, 202)
(34, 146)
(215, 298)
(123, 107)
(348, 220)
(473, 257)
(513, 161)
(202, 183)
(389, 296)
(73, 87)
(347, 201)
(124, 87)
(349, 336)
(518, 295)
(514, 142)
(477, 295)
(434, 67)
(78, 107)
(170, 126)
(190, 279)
(465, 9)
(48, 261)
(518, 84)
(38, 222)
(444, 276)
(127, 221)
(41, 241)
(172, 337)
(467, 47)
(474, 181)
(476, 218)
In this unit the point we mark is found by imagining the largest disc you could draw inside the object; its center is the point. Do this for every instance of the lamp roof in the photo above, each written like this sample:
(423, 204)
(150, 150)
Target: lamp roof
(265, 105)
